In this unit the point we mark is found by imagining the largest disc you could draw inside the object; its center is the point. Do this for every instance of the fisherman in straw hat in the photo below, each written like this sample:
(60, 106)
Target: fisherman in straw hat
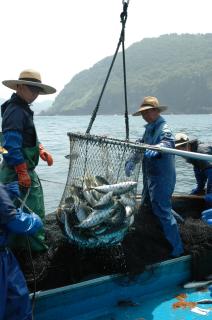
(159, 175)
(202, 168)
(21, 141)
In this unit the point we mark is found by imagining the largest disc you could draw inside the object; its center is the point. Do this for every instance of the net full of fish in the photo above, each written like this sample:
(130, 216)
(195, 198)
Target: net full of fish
(98, 214)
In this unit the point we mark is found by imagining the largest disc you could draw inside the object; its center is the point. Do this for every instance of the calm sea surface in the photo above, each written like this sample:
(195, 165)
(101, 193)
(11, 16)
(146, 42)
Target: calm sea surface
(52, 132)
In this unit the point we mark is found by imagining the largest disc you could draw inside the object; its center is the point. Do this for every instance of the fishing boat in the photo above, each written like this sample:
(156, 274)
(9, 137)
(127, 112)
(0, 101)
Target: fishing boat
(151, 293)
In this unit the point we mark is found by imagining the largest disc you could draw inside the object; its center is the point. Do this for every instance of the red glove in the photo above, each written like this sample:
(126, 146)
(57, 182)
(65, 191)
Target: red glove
(23, 176)
(45, 156)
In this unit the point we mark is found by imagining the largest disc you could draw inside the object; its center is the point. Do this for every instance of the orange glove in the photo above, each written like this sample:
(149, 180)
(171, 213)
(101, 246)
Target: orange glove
(23, 176)
(45, 156)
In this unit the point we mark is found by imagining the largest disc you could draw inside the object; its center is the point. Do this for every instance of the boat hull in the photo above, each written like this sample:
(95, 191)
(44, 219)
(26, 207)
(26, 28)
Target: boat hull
(109, 297)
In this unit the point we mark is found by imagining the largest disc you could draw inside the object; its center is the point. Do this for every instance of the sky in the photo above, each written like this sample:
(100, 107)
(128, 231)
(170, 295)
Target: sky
(60, 38)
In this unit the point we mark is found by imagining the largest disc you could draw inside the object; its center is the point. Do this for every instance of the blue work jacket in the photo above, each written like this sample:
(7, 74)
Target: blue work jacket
(159, 172)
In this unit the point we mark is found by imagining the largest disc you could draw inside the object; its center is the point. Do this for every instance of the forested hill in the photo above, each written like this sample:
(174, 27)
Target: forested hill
(175, 68)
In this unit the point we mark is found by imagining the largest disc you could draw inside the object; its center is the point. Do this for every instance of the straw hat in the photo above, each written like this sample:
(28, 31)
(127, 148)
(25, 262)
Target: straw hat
(31, 78)
(149, 103)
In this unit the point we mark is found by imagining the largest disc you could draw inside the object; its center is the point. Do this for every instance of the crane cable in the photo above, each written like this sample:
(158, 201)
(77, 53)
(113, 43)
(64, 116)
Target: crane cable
(123, 17)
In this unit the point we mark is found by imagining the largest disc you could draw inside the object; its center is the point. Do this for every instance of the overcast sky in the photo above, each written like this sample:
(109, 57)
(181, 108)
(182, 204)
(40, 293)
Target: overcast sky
(60, 38)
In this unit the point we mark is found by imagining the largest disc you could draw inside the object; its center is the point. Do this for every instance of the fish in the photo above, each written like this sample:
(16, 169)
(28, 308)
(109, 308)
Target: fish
(76, 236)
(129, 211)
(118, 216)
(100, 180)
(89, 198)
(127, 201)
(76, 191)
(196, 284)
(130, 220)
(205, 301)
(82, 212)
(104, 200)
(97, 216)
(117, 188)
(97, 213)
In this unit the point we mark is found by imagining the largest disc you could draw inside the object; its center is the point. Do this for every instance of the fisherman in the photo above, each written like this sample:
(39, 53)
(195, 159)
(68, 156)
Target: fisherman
(14, 295)
(202, 168)
(20, 139)
(159, 174)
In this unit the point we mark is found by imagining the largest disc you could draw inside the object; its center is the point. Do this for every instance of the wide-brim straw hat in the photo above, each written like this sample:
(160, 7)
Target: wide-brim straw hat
(149, 103)
(29, 77)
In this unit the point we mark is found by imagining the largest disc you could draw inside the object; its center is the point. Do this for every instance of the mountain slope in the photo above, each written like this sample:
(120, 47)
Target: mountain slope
(175, 68)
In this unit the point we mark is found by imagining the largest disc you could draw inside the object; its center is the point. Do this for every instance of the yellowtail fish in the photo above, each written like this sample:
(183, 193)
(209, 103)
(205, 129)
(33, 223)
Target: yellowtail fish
(97, 217)
(127, 201)
(118, 188)
(104, 200)
(82, 212)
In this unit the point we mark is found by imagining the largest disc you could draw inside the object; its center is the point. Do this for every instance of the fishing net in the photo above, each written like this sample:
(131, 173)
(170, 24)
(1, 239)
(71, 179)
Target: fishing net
(144, 244)
(98, 204)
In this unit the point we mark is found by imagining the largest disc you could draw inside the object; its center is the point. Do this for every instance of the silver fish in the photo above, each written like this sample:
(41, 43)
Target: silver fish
(76, 236)
(196, 284)
(104, 200)
(129, 221)
(97, 217)
(205, 301)
(129, 211)
(100, 180)
(89, 198)
(118, 216)
(76, 193)
(82, 212)
(127, 201)
(89, 181)
(117, 188)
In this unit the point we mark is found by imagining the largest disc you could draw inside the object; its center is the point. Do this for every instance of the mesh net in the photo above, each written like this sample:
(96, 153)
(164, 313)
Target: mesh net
(98, 204)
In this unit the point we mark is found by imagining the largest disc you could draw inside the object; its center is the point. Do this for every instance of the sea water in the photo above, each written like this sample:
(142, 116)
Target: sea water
(52, 132)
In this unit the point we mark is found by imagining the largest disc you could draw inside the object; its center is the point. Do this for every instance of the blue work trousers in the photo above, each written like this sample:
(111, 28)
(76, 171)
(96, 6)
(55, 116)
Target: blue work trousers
(159, 194)
(15, 303)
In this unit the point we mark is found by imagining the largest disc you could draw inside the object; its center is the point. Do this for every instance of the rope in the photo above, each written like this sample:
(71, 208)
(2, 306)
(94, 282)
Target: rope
(121, 41)
(23, 204)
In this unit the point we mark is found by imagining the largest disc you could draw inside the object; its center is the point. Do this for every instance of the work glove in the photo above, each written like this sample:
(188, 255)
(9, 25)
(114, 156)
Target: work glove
(206, 216)
(45, 156)
(24, 222)
(151, 154)
(129, 167)
(13, 189)
(23, 177)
